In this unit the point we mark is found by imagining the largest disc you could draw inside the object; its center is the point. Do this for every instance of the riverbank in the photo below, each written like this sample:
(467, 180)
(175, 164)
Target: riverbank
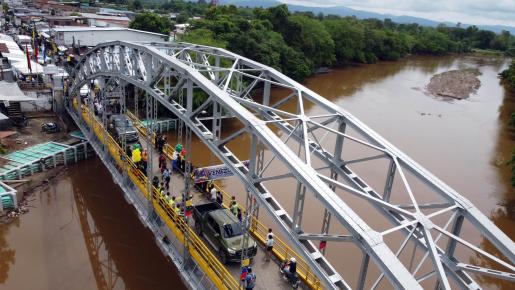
(26, 190)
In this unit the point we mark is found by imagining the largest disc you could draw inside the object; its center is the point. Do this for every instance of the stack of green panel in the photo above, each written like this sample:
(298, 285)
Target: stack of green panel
(28, 156)
(7, 201)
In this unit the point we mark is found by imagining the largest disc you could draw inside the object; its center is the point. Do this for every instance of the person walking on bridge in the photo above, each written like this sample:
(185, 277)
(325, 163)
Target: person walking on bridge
(239, 215)
(171, 202)
(250, 279)
(219, 197)
(212, 194)
(157, 137)
(166, 178)
(155, 181)
(269, 244)
(161, 143)
(144, 160)
(162, 161)
(161, 188)
(175, 164)
(234, 208)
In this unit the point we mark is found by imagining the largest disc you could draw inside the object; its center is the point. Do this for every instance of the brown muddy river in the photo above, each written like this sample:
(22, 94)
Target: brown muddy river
(463, 142)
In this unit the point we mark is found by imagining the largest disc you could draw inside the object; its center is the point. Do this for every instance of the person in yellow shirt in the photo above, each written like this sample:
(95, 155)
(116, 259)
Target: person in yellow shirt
(176, 209)
(171, 202)
(136, 155)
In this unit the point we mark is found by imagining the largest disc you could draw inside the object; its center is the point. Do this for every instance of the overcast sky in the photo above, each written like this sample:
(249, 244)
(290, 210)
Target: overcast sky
(466, 11)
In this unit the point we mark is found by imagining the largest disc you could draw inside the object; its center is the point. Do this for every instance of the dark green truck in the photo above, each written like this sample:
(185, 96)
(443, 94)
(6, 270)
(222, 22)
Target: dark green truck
(223, 231)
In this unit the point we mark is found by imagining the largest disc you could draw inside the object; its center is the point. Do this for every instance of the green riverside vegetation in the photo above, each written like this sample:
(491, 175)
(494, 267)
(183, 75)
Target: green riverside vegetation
(151, 22)
(508, 76)
(298, 44)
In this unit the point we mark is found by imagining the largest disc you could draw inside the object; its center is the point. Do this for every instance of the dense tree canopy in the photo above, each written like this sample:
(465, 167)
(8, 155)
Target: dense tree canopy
(509, 75)
(151, 22)
(299, 43)
(135, 5)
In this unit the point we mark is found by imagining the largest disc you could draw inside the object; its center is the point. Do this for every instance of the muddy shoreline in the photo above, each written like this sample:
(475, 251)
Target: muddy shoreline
(27, 190)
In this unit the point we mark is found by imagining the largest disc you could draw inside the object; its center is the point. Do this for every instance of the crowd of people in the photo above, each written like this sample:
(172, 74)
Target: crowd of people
(182, 204)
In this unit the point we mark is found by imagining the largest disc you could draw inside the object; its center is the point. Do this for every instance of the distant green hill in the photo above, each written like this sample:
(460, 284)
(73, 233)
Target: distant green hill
(345, 11)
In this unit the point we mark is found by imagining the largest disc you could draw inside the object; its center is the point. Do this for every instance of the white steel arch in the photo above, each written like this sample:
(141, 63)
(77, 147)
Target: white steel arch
(239, 88)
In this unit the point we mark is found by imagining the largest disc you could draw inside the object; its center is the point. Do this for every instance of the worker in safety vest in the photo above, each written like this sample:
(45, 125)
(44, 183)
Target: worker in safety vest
(171, 202)
(234, 208)
(136, 155)
(161, 188)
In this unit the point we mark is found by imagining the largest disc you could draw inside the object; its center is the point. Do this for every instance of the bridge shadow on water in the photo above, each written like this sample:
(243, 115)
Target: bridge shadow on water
(122, 252)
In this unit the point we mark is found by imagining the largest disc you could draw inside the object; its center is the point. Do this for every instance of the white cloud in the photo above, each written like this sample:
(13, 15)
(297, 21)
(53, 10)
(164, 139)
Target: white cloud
(466, 11)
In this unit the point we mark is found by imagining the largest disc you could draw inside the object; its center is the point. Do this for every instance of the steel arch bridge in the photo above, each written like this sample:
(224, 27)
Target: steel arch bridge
(322, 153)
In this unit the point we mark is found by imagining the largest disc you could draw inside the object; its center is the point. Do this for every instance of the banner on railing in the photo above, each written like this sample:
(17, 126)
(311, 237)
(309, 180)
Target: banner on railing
(213, 172)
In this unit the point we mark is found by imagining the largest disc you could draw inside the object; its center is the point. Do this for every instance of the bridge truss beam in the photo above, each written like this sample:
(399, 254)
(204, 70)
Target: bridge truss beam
(310, 147)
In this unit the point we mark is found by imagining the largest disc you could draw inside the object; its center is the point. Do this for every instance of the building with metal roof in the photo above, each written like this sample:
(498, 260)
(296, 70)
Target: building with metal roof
(91, 36)
(16, 57)
(100, 20)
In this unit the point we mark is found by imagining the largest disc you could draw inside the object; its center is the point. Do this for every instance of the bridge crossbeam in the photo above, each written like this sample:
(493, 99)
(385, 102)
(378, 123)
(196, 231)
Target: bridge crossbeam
(314, 154)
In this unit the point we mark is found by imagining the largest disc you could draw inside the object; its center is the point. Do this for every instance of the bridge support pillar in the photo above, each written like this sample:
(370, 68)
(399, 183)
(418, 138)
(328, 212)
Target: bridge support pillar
(363, 271)
(392, 168)
(338, 151)
(151, 115)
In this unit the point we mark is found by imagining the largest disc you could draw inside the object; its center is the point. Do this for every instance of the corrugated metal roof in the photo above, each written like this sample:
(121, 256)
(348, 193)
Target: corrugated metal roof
(84, 28)
(105, 17)
(97, 29)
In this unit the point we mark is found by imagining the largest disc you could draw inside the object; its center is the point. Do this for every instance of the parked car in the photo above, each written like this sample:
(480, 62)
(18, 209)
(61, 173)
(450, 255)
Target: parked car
(223, 231)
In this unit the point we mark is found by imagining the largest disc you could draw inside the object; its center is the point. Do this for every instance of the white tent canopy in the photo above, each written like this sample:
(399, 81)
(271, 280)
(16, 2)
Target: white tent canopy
(18, 58)
(11, 92)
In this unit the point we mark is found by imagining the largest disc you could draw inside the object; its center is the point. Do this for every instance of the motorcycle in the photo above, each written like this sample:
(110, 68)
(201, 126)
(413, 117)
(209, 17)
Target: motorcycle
(293, 280)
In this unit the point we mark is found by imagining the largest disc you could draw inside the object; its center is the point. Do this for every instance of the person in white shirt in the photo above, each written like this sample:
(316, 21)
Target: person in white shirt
(269, 244)
(212, 196)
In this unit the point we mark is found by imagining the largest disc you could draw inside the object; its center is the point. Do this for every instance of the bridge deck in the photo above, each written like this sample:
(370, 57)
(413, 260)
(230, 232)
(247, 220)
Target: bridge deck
(267, 272)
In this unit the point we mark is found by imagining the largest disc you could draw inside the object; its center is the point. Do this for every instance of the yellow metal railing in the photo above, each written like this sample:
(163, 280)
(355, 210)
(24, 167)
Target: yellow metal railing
(258, 230)
(211, 266)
